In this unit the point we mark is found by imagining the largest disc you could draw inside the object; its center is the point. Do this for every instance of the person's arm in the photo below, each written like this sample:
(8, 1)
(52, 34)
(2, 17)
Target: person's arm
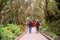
(35, 23)
(39, 23)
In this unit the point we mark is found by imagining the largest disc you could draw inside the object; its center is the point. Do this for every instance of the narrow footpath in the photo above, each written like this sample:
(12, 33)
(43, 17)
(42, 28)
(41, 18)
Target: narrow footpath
(33, 36)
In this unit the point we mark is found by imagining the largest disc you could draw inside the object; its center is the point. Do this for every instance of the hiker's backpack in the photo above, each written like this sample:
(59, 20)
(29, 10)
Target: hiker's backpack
(30, 23)
(37, 24)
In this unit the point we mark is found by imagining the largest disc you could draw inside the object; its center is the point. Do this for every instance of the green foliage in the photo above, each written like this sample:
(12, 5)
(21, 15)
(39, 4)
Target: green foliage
(53, 17)
(53, 35)
(15, 29)
(10, 32)
(5, 34)
(55, 27)
(44, 28)
(52, 7)
(2, 4)
(48, 30)
(12, 27)
(7, 5)
(1, 26)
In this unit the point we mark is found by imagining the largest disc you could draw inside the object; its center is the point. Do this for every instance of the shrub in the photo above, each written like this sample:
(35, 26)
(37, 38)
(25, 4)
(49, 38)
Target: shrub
(1, 26)
(10, 32)
(55, 26)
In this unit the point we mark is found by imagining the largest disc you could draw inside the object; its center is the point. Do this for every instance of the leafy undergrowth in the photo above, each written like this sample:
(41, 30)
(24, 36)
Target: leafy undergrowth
(48, 32)
(10, 32)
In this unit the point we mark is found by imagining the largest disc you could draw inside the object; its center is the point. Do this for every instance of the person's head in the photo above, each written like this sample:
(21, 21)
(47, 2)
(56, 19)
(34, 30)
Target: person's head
(37, 19)
(30, 20)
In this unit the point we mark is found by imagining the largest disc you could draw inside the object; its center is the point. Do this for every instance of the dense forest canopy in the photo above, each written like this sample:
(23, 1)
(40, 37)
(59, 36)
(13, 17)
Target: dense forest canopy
(13, 10)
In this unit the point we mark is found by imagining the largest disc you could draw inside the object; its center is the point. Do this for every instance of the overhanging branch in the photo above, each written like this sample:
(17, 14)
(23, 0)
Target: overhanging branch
(6, 10)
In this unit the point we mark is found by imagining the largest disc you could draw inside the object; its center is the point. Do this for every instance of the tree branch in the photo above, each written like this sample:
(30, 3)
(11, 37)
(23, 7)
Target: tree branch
(6, 10)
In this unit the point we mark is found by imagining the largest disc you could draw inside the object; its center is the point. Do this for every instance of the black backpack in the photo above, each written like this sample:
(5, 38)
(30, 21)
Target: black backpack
(30, 23)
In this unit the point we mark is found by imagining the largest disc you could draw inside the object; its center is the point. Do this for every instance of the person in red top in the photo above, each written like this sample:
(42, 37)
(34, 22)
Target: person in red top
(37, 24)
(33, 24)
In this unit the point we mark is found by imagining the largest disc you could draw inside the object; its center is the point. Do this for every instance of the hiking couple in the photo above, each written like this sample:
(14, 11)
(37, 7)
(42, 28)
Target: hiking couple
(36, 24)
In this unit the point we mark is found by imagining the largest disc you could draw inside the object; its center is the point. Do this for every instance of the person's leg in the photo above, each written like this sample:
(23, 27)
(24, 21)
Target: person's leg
(30, 29)
(36, 29)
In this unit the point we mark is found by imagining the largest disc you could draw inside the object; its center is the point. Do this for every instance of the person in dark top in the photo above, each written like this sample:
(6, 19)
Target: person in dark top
(37, 25)
(30, 26)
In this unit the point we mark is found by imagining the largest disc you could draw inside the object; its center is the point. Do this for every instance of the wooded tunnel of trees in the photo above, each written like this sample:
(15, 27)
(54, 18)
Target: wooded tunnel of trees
(15, 12)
